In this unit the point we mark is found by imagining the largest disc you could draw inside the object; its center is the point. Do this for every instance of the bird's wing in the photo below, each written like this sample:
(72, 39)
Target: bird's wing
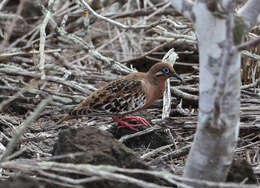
(119, 97)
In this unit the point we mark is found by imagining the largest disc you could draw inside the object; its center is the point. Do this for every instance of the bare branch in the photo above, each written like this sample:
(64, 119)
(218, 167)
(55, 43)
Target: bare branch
(23, 52)
(115, 173)
(246, 45)
(12, 25)
(43, 37)
(184, 7)
(77, 40)
(254, 84)
(19, 93)
(3, 3)
(251, 55)
(118, 24)
(23, 127)
(250, 12)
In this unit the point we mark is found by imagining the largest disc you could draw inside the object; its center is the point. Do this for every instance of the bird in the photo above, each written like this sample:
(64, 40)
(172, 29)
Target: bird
(125, 95)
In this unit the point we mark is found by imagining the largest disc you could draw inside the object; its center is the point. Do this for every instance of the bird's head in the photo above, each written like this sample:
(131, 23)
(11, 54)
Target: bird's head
(162, 71)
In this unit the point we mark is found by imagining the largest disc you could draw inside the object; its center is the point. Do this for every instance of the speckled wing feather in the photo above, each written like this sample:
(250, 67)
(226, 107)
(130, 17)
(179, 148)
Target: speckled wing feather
(119, 97)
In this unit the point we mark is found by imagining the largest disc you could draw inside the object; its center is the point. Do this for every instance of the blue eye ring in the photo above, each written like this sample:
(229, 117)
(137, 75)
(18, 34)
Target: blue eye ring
(166, 70)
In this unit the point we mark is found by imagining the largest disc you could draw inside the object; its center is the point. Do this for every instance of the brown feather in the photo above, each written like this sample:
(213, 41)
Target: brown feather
(125, 95)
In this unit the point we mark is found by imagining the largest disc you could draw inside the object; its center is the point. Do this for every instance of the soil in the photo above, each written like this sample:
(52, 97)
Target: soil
(101, 148)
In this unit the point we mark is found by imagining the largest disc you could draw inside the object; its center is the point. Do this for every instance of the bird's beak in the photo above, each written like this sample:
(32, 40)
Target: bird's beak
(174, 74)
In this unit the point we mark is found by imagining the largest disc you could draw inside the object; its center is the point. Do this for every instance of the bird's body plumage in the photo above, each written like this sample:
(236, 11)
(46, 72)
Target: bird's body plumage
(119, 97)
(125, 95)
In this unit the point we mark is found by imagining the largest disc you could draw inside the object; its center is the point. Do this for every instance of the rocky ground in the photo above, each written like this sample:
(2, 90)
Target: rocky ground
(89, 54)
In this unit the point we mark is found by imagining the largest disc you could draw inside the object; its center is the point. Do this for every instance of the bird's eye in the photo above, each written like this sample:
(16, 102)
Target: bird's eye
(165, 70)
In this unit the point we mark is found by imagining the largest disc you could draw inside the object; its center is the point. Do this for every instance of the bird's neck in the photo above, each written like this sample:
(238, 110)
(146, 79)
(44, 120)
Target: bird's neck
(152, 79)
(156, 81)
(158, 85)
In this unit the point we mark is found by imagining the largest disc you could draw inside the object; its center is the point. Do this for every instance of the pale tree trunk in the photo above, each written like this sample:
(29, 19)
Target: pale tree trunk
(219, 104)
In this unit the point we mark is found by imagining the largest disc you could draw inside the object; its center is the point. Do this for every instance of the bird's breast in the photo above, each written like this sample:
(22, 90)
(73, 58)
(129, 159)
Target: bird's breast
(154, 92)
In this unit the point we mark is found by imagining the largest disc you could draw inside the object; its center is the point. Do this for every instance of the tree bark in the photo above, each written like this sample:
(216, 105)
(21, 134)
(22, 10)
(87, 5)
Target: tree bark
(219, 103)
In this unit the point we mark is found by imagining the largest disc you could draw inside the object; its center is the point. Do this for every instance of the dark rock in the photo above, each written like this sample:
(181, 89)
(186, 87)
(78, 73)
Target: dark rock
(100, 149)
(153, 140)
(21, 182)
(241, 170)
